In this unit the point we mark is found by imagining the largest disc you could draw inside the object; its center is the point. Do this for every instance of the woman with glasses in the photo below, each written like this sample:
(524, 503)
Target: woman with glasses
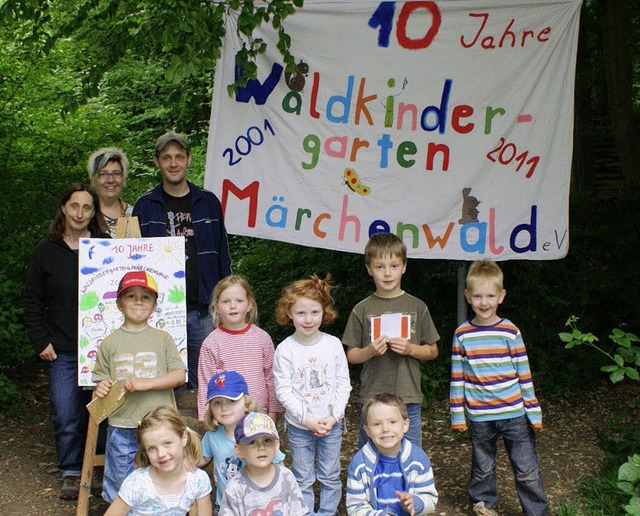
(107, 169)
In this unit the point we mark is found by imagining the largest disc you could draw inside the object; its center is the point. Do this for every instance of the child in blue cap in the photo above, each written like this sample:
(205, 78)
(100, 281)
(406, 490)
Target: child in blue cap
(228, 401)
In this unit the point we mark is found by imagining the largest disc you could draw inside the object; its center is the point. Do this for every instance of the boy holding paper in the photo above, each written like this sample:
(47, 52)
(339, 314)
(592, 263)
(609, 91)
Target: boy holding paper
(390, 332)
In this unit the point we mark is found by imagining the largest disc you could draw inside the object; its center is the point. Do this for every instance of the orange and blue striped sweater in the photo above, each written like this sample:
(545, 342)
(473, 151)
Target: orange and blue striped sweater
(490, 376)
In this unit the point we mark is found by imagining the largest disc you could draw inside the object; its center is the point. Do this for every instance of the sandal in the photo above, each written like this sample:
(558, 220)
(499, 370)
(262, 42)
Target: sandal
(70, 488)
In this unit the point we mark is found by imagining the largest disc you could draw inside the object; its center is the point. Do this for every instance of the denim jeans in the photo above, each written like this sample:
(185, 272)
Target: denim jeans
(198, 328)
(68, 413)
(309, 452)
(414, 411)
(519, 441)
(118, 460)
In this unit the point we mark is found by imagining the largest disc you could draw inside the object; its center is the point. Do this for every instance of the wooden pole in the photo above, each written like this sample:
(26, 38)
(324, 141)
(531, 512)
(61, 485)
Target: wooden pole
(89, 461)
(462, 302)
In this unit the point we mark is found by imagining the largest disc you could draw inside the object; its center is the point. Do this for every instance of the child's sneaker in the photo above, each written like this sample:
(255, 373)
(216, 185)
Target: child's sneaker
(479, 509)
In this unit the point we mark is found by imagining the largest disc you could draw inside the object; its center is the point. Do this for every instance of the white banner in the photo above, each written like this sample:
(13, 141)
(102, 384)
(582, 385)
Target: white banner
(103, 263)
(447, 123)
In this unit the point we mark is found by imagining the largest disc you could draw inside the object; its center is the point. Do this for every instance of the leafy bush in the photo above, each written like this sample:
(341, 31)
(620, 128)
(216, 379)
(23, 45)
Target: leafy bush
(625, 355)
(625, 358)
(629, 482)
(11, 398)
(17, 359)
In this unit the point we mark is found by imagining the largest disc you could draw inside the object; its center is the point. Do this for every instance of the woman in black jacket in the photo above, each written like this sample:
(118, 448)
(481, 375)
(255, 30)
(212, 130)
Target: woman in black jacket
(51, 321)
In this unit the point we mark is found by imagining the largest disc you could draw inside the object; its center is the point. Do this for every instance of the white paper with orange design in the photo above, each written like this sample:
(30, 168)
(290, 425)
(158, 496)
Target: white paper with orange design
(391, 325)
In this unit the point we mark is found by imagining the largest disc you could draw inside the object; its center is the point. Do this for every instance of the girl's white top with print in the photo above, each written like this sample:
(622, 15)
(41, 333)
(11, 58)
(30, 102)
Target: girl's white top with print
(139, 493)
(312, 380)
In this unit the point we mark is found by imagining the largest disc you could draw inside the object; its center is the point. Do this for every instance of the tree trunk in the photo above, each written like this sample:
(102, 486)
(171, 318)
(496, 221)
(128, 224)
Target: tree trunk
(582, 165)
(617, 64)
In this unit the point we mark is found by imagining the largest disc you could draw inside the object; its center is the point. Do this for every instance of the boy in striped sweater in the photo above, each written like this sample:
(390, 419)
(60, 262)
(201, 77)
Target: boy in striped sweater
(491, 386)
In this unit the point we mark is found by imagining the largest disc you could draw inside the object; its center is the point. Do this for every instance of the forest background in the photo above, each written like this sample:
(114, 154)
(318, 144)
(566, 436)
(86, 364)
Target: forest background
(76, 75)
(82, 74)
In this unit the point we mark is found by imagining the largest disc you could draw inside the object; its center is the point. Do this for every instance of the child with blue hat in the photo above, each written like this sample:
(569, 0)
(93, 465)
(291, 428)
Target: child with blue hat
(228, 401)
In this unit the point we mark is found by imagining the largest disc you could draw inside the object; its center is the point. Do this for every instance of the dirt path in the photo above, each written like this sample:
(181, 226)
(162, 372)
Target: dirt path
(567, 448)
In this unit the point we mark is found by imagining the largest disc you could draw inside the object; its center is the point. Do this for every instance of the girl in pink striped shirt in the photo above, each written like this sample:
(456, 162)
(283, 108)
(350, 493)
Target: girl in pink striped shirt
(237, 344)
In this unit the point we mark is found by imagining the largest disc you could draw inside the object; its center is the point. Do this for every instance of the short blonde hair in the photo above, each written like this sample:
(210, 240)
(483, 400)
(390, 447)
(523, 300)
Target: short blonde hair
(165, 415)
(99, 159)
(384, 398)
(383, 244)
(224, 284)
(313, 288)
(250, 405)
(482, 271)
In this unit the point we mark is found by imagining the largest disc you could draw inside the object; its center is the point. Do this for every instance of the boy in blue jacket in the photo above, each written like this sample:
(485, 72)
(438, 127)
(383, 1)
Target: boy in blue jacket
(389, 475)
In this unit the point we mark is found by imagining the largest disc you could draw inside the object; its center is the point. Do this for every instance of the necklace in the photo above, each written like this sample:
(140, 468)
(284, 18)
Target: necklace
(123, 212)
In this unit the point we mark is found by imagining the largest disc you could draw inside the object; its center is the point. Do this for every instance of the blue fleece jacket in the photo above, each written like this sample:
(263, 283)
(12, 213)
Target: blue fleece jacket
(418, 478)
(214, 261)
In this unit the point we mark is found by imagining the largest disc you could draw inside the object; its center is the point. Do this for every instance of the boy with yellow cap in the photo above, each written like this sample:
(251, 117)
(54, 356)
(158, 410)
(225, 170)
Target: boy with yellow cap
(147, 361)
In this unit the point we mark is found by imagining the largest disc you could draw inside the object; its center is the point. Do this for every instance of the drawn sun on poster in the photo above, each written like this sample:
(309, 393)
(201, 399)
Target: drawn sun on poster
(167, 258)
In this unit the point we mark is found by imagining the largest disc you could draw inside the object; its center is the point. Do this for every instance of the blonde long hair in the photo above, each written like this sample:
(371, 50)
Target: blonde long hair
(165, 415)
(224, 284)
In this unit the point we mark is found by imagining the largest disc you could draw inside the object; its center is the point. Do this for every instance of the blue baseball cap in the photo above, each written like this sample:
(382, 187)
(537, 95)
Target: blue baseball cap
(227, 384)
(254, 425)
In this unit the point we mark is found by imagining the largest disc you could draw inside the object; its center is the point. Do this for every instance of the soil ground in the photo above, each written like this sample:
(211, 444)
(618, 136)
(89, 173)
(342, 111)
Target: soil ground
(568, 450)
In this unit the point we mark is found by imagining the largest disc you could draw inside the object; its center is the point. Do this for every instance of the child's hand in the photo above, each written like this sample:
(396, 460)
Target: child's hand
(315, 427)
(400, 345)
(134, 384)
(328, 423)
(406, 499)
(379, 346)
(103, 387)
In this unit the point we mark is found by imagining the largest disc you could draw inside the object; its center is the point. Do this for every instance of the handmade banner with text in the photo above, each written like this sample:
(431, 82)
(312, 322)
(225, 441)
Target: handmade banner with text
(447, 123)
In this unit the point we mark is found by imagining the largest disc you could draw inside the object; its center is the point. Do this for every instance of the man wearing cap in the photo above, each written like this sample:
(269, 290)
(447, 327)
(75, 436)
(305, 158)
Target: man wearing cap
(176, 207)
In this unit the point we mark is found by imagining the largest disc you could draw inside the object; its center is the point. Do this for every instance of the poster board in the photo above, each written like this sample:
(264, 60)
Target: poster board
(102, 263)
(449, 124)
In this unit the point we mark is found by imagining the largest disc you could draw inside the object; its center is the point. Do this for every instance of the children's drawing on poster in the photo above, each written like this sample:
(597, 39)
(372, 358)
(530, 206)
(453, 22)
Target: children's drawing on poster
(103, 262)
(447, 123)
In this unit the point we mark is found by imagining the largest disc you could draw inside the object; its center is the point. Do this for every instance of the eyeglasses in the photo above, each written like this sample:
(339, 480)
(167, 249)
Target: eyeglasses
(116, 174)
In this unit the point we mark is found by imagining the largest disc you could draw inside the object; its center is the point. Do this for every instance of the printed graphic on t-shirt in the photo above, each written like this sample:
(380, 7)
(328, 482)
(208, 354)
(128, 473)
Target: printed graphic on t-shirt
(179, 224)
(311, 379)
(142, 365)
(271, 509)
(230, 467)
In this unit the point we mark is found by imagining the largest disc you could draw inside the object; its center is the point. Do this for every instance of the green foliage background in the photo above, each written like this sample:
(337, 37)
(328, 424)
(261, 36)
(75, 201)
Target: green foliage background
(78, 75)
